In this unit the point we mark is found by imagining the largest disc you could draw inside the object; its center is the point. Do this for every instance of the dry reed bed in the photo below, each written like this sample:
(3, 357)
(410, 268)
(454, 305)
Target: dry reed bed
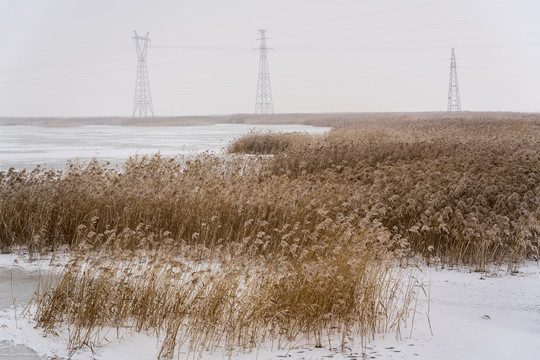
(461, 191)
(232, 301)
(315, 267)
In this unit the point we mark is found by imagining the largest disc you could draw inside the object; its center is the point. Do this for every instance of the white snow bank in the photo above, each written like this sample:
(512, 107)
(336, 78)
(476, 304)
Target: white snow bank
(23, 262)
(473, 316)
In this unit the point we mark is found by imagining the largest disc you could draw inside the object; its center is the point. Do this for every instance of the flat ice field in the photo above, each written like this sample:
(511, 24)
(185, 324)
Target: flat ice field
(471, 316)
(27, 146)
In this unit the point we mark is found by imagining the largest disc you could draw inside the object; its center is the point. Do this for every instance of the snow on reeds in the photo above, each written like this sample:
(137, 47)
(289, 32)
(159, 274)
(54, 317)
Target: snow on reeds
(237, 300)
(460, 191)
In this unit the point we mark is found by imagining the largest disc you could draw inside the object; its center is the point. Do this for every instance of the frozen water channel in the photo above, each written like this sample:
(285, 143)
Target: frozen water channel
(27, 146)
(17, 285)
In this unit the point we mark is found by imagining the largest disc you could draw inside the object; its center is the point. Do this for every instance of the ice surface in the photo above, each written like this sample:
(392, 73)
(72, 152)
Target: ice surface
(27, 146)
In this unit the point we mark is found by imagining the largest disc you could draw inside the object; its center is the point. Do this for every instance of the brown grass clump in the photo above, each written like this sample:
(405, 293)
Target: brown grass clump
(235, 298)
(264, 143)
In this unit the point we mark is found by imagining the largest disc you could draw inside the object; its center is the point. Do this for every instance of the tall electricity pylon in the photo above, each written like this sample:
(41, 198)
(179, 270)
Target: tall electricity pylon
(263, 101)
(454, 103)
(143, 99)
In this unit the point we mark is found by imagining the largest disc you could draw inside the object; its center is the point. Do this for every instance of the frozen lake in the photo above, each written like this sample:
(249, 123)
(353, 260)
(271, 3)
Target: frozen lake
(27, 146)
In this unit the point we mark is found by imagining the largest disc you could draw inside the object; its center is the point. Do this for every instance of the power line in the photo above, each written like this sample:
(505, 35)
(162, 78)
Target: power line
(415, 27)
(77, 60)
(67, 75)
(200, 48)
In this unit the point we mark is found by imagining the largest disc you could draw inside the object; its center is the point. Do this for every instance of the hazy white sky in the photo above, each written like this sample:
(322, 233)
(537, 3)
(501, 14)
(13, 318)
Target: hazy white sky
(77, 58)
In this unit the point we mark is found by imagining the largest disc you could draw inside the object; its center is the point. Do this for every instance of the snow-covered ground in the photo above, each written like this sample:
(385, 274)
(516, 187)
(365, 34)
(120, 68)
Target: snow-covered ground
(471, 316)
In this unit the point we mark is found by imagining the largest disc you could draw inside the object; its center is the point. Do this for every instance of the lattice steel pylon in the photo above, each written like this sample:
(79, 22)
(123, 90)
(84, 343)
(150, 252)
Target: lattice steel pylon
(263, 100)
(143, 99)
(454, 102)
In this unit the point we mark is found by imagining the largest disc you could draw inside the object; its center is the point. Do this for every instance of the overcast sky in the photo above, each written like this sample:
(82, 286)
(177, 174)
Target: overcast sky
(77, 58)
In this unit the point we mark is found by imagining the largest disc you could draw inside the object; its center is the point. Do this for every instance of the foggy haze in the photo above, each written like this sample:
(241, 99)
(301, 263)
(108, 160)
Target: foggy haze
(77, 58)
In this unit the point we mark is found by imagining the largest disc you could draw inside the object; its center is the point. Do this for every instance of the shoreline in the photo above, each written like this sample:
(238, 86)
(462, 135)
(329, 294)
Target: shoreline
(313, 119)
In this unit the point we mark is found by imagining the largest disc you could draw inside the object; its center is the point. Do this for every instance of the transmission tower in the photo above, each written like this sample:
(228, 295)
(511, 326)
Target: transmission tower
(263, 101)
(454, 103)
(143, 99)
